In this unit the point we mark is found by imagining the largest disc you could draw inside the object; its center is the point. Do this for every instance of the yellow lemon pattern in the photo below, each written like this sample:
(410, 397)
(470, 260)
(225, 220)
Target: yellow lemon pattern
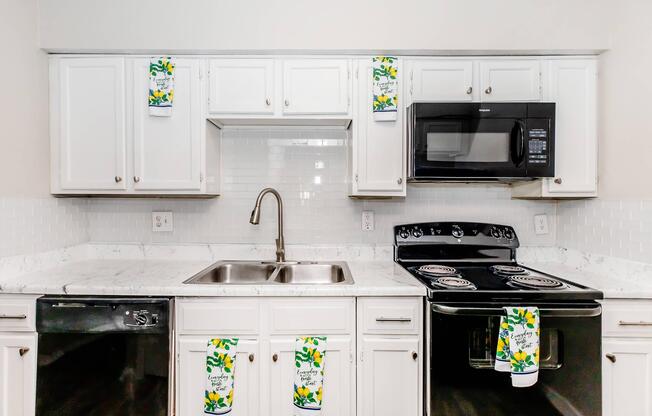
(309, 357)
(220, 367)
(518, 340)
(161, 83)
(385, 88)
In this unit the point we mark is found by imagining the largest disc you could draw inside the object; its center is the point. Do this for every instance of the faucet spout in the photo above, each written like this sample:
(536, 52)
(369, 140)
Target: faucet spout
(255, 219)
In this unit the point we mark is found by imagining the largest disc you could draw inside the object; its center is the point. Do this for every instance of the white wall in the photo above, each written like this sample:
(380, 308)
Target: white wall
(309, 168)
(619, 222)
(30, 219)
(408, 25)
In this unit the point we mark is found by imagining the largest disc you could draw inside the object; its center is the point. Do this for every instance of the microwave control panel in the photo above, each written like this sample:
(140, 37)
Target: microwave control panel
(538, 148)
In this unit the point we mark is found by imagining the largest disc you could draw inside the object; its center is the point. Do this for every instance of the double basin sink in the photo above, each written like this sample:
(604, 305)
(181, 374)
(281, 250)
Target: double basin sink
(260, 272)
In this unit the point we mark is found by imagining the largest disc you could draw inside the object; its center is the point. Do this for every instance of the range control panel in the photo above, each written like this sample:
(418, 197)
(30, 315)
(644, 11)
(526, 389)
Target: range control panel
(456, 233)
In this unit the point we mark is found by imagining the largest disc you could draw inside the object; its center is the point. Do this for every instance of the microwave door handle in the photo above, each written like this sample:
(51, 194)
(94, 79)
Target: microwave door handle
(520, 142)
(549, 312)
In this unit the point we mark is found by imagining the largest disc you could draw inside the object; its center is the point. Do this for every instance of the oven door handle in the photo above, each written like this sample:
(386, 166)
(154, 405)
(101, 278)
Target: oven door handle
(551, 312)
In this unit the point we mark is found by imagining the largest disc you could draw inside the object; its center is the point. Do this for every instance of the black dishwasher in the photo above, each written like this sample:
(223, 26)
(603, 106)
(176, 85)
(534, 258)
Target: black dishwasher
(103, 356)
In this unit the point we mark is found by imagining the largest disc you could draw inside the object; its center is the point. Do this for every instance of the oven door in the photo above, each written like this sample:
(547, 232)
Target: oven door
(463, 349)
(466, 147)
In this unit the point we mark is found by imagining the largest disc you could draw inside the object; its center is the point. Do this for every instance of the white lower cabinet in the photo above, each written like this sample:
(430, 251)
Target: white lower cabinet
(627, 358)
(191, 376)
(390, 376)
(389, 373)
(627, 377)
(338, 393)
(17, 374)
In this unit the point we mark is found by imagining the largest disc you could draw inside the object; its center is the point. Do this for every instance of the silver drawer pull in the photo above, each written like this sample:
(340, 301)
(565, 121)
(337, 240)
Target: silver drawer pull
(639, 323)
(382, 319)
(13, 316)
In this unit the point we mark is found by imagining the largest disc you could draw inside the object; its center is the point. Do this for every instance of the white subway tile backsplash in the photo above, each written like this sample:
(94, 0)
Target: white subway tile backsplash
(31, 225)
(615, 228)
(310, 170)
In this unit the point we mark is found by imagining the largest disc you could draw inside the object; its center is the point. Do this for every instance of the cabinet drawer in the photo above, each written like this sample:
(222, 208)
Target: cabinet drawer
(218, 316)
(627, 318)
(315, 316)
(18, 313)
(390, 315)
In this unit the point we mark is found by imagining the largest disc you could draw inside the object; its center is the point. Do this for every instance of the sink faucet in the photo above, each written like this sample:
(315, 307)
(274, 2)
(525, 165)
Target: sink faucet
(255, 219)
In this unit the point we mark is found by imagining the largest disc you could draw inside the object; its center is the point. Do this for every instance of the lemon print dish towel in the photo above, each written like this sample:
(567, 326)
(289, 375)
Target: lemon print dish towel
(220, 367)
(161, 86)
(517, 350)
(309, 355)
(385, 88)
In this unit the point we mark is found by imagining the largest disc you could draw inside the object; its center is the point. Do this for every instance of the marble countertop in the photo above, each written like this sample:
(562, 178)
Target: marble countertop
(153, 275)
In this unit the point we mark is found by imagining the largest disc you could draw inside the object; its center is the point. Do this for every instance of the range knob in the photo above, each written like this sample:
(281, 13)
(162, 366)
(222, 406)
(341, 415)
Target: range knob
(495, 232)
(403, 234)
(457, 231)
(417, 232)
(509, 234)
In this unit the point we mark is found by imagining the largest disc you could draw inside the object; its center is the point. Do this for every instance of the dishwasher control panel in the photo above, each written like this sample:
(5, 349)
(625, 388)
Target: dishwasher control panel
(140, 318)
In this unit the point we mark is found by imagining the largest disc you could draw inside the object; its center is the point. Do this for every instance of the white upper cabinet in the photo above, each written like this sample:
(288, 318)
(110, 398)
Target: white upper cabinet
(88, 124)
(510, 80)
(241, 86)
(167, 149)
(441, 80)
(316, 86)
(573, 86)
(378, 147)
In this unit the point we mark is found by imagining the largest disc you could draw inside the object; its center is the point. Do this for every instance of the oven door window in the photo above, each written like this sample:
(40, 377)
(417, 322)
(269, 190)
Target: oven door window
(479, 147)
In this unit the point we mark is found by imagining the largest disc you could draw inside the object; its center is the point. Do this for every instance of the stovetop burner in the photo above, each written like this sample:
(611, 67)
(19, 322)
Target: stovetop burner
(508, 270)
(451, 282)
(437, 270)
(536, 282)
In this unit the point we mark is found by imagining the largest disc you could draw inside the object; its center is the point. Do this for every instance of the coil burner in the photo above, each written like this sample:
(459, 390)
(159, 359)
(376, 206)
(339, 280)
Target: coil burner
(437, 270)
(536, 282)
(452, 282)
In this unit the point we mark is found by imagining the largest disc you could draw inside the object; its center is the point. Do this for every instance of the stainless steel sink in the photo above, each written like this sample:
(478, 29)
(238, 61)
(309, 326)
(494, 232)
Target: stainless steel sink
(257, 272)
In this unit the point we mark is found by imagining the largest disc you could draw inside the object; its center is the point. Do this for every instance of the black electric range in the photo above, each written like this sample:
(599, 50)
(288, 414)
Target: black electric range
(471, 273)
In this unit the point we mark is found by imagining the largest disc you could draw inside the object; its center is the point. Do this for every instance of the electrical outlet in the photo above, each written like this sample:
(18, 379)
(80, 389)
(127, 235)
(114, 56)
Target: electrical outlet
(541, 224)
(162, 221)
(367, 220)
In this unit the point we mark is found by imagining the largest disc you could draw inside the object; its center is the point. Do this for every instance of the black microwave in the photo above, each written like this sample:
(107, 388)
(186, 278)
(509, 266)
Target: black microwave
(480, 141)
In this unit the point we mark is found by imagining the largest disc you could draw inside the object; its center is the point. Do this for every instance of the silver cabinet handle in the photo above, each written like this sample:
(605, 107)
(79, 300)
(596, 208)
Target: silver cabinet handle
(251, 358)
(469, 90)
(287, 102)
(136, 179)
(611, 357)
(118, 179)
(488, 90)
(382, 319)
(275, 357)
(13, 316)
(23, 351)
(268, 102)
(558, 181)
(399, 181)
(415, 355)
(639, 323)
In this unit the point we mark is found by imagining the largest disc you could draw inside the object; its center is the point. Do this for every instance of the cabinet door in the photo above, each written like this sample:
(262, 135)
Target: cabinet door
(191, 376)
(17, 374)
(241, 86)
(316, 86)
(339, 376)
(390, 382)
(378, 146)
(627, 377)
(90, 114)
(573, 87)
(510, 80)
(442, 80)
(167, 150)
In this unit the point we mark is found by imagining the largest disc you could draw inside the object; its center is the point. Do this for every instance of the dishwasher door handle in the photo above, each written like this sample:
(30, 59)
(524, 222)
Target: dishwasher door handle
(551, 312)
